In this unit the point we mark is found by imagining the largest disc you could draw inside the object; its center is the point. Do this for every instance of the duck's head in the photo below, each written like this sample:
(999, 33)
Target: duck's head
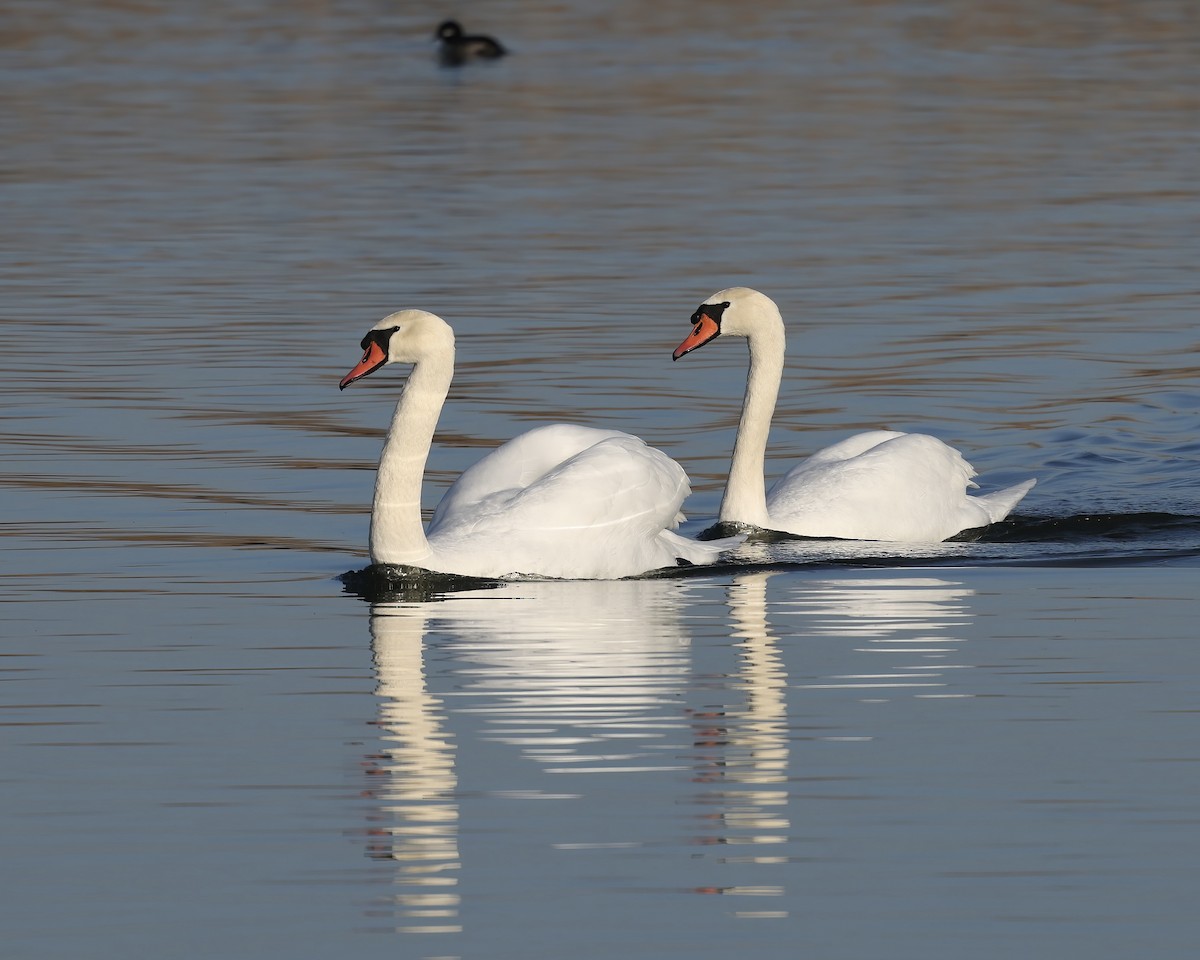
(406, 336)
(733, 312)
(449, 30)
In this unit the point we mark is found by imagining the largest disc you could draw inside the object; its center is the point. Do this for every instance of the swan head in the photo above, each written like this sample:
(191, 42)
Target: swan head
(733, 312)
(406, 336)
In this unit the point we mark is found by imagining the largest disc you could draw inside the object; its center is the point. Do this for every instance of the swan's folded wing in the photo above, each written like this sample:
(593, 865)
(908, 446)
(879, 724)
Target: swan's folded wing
(512, 467)
(619, 485)
(853, 446)
(909, 487)
(602, 512)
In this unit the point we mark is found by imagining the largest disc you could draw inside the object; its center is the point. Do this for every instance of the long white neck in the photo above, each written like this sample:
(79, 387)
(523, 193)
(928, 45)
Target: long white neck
(397, 533)
(745, 499)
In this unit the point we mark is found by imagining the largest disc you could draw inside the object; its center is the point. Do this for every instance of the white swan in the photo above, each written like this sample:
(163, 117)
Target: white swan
(879, 485)
(558, 501)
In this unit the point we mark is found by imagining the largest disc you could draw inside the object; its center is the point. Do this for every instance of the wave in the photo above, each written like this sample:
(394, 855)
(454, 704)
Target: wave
(1090, 539)
(1084, 527)
(1083, 539)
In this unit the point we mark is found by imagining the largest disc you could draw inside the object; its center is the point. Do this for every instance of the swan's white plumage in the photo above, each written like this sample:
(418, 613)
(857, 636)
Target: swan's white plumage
(558, 501)
(602, 512)
(878, 485)
(521, 461)
(884, 485)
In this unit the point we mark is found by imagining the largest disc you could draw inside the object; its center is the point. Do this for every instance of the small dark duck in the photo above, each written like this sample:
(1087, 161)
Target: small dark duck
(459, 48)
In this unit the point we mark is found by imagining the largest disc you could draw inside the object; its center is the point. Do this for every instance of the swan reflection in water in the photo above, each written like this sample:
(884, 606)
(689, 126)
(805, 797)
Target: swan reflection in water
(597, 677)
(413, 778)
(579, 676)
(916, 623)
(742, 749)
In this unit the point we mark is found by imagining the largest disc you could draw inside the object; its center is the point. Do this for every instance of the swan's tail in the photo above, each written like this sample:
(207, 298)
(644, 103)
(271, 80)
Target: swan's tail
(701, 551)
(999, 504)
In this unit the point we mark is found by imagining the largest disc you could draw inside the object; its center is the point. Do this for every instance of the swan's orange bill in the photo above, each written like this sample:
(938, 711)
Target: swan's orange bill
(373, 359)
(705, 329)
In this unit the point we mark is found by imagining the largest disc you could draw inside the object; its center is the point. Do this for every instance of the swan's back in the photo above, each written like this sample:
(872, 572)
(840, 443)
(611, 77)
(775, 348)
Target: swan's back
(883, 485)
(600, 502)
(516, 464)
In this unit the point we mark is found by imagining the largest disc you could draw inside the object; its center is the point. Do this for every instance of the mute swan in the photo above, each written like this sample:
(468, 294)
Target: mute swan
(459, 47)
(558, 501)
(879, 485)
